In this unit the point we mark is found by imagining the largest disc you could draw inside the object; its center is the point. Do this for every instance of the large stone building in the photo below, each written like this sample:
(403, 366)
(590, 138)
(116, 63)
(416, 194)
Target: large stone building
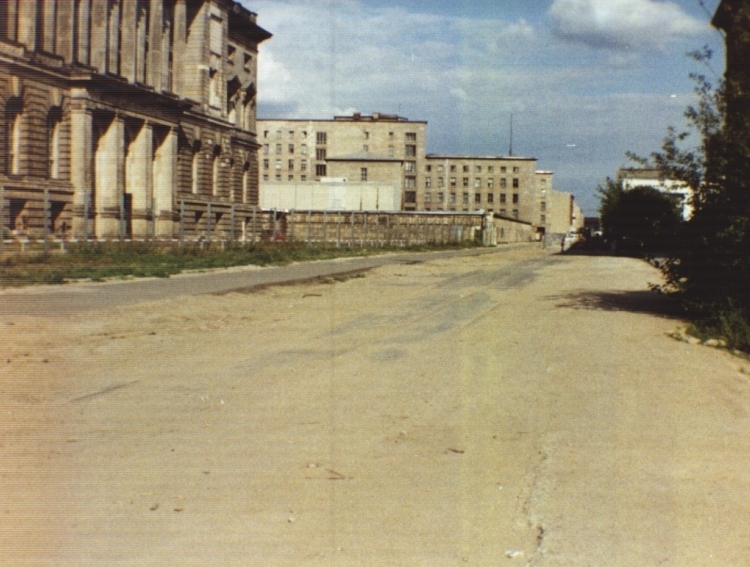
(390, 149)
(127, 117)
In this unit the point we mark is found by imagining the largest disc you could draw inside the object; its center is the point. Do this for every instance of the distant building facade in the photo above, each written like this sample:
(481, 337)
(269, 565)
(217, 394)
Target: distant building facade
(381, 148)
(647, 177)
(390, 149)
(127, 118)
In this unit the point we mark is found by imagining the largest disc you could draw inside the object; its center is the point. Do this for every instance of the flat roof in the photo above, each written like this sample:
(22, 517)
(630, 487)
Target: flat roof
(505, 158)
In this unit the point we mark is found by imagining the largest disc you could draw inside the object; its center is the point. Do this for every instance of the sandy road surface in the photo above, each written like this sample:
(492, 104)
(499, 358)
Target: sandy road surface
(507, 409)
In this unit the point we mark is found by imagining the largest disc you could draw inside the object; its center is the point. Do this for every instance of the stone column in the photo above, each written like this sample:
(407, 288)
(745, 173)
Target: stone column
(138, 176)
(179, 39)
(113, 33)
(109, 173)
(80, 168)
(165, 181)
(49, 26)
(84, 32)
(156, 21)
(128, 39)
(27, 24)
(99, 26)
(64, 31)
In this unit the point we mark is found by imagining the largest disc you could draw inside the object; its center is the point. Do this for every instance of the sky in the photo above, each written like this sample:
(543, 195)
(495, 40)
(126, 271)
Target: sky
(585, 80)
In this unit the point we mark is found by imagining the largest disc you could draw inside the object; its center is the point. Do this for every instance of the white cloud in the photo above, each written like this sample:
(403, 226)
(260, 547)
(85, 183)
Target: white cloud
(622, 24)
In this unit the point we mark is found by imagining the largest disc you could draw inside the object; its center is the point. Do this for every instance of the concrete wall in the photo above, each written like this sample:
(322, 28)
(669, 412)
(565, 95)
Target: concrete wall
(332, 197)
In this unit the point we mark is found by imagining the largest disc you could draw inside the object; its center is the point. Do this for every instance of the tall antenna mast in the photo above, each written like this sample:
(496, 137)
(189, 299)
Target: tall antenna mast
(510, 153)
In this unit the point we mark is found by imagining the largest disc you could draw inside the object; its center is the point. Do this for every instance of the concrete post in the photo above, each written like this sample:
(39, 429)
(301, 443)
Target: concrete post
(164, 174)
(109, 166)
(139, 176)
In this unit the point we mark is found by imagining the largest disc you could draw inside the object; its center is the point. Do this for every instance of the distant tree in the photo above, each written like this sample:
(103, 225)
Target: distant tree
(642, 217)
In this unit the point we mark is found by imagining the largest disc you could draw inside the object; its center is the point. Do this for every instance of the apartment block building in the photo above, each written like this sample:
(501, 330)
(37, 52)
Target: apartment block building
(379, 148)
(502, 185)
(127, 117)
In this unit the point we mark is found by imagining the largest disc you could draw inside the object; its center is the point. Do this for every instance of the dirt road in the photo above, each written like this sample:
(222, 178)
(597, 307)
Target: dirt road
(516, 408)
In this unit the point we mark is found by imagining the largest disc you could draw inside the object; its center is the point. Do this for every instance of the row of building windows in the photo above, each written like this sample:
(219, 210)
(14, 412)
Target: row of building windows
(467, 169)
(478, 182)
(452, 197)
(322, 137)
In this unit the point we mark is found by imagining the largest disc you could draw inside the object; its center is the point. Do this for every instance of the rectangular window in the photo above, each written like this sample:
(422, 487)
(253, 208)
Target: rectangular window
(278, 164)
(441, 169)
(490, 197)
(265, 177)
(365, 148)
(453, 198)
(215, 32)
(291, 177)
(515, 198)
(291, 148)
(320, 154)
(411, 182)
(515, 213)
(320, 170)
(290, 164)
(465, 198)
(479, 169)
(441, 182)
(516, 170)
(367, 135)
(502, 197)
(503, 169)
(543, 205)
(477, 182)
(303, 177)
(491, 169)
(503, 183)
(411, 136)
(303, 149)
(390, 135)
(410, 166)
(391, 151)
(265, 164)
(453, 181)
(490, 182)
(441, 197)
(543, 218)
(427, 197)
(428, 181)
(266, 149)
(453, 169)
(291, 134)
(466, 182)
(278, 177)
(428, 168)
(321, 138)
(515, 183)
(411, 151)
(303, 165)
(466, 169)
(410, 196)
(363, 174)
(477, 197)
(278, 148)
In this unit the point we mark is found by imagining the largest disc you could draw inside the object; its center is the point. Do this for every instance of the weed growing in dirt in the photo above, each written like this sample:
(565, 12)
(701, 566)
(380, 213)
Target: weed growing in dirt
(97, 261)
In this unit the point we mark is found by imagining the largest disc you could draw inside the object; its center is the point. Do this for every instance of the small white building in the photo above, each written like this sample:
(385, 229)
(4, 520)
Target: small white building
(645, 177)
(331, 195)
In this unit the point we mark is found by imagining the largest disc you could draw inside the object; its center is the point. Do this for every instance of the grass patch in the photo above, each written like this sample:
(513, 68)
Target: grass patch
(102, 261)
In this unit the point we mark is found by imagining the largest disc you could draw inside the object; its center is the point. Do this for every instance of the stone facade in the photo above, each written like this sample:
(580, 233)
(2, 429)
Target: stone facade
(127, 118)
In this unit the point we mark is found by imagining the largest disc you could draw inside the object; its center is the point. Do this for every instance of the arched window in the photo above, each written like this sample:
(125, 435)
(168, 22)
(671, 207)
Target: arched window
(216, 164)
(13, 116)
(245, 181)
(195, 167)
(54, 125)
